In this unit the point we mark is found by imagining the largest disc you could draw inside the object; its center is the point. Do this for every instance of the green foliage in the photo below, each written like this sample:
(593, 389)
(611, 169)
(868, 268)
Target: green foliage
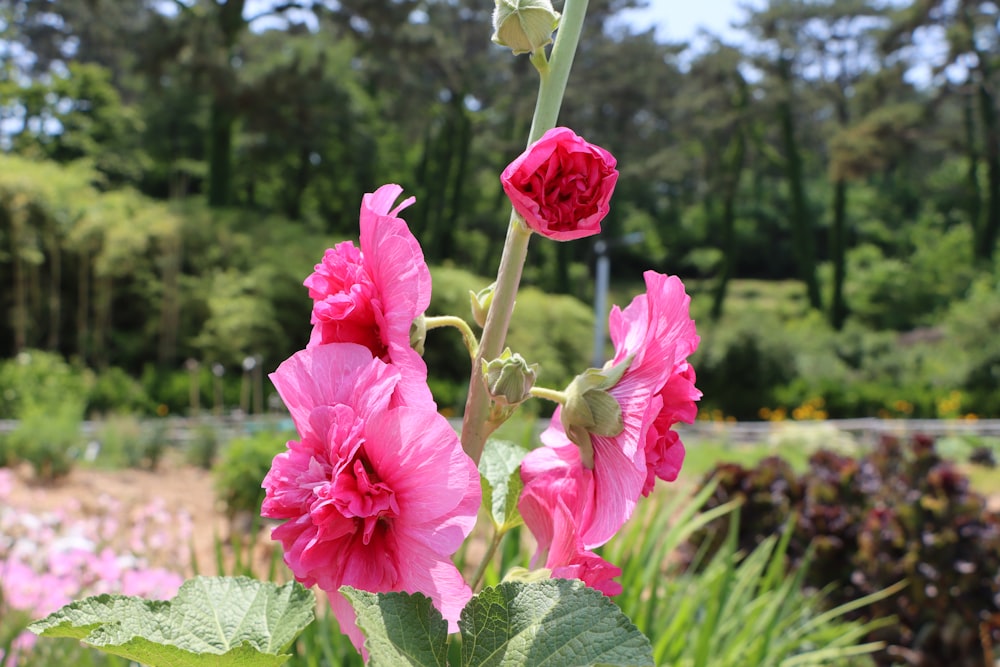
(239, 473)
(555, 621)
(796, 359)
(443, 349)
(241, 319)
(172, 389)
(500, 469)
(114, 390)
(85, 119)
(746, 610)
(204, 447)
(742, 363)
(50, 653)
(900, 293)
(38, 380)
(125, 441)
(8, 457)
(211, 621)
(322, 644)
(59, 652)
(112, 257)
(121, 440)
(972, 325)
(899, 513)
(400, 629)
(48, 439)
(557, 332)
(737, 607)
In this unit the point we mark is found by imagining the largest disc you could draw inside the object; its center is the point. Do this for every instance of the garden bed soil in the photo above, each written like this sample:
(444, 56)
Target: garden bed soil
(183, 489)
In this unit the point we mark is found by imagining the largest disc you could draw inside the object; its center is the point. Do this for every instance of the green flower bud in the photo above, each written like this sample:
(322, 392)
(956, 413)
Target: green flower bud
(418, 334)
(481, 302)
(524, 25)
(509, 378)
(591, 410)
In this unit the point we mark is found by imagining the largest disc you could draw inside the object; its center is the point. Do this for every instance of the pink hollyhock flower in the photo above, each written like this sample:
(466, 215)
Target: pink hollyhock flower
(373, 496)
(555, 501)
(371, 295)
(561, 185)
(664, 449)
(658, 330)
(654, 335)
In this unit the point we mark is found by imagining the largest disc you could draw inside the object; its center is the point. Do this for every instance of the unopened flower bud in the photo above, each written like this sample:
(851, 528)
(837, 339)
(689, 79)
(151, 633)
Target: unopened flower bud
(524, 25)
(509, 378)
(418, 334)
(591, 409)
(481, 302)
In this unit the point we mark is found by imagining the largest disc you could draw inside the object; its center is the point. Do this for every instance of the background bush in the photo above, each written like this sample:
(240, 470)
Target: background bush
(899, 513)
(48, 439)
(39, 380)
(241, 469)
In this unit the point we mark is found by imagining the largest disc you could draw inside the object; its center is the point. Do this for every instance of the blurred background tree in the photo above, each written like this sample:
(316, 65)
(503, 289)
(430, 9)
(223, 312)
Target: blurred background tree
(171, 170)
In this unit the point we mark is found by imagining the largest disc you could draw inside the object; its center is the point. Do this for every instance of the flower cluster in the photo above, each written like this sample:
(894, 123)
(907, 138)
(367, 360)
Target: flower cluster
(49, 559)
(377, 493)
(612, 437)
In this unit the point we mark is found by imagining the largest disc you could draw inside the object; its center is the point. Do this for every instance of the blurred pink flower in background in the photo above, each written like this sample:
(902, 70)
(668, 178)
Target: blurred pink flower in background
(372, 294)
(561, 185)
(373, 496)
(49, 559)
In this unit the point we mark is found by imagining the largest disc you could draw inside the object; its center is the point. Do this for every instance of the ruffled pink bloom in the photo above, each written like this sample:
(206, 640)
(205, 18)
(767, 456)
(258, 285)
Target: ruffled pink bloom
(657, 328)
(557, 498)
(561, 185)
(373, 496)
(655, 392)
(676, 402)
(371, 295)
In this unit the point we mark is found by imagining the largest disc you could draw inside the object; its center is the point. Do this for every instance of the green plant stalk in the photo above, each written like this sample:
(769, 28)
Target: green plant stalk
(468, 336)
(553, 76)
(553, 395)
(487, 558)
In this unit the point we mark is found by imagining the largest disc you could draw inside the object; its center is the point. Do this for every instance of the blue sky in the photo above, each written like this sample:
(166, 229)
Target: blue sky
(678, 20)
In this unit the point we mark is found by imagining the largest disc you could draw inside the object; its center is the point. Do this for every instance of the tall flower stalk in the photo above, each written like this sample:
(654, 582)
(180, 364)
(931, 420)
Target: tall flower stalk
(553, 74)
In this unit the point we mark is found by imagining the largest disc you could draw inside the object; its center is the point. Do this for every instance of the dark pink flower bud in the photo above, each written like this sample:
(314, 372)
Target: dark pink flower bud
(561, 185)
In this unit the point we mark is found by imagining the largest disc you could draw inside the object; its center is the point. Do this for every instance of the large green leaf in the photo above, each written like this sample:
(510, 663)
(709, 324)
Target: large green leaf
(217, 621)
(555, 622)
(400, 629)
(500, 467)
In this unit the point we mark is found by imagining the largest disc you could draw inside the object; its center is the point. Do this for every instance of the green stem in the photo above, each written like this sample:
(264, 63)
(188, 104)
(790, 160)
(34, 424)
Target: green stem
(554, 77)
(549, 394)
(477, 578)
(551, 88)
(468, 336)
